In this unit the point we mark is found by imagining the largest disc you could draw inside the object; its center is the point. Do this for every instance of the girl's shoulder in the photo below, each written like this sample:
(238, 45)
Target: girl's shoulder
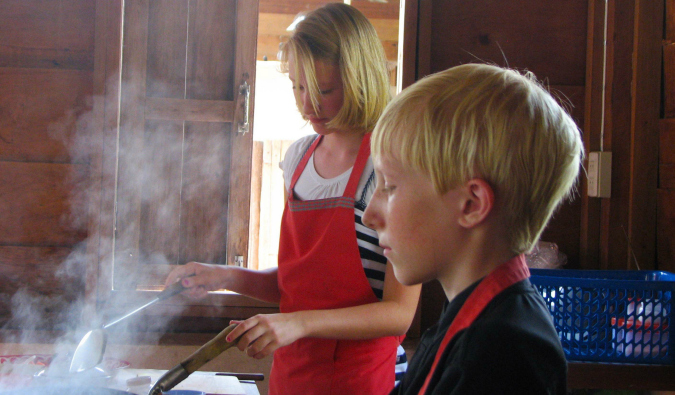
(295, 152)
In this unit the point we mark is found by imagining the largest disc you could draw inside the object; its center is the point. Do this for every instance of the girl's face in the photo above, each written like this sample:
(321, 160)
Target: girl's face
(331, 95)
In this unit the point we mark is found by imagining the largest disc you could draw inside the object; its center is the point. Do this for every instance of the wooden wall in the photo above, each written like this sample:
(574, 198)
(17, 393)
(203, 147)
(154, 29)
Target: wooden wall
(666, 192)
(613, 85)
(46, 66)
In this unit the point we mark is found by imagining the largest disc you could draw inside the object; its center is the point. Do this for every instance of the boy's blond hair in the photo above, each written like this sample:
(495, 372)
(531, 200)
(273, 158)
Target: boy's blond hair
(487, 122)
(341, 35)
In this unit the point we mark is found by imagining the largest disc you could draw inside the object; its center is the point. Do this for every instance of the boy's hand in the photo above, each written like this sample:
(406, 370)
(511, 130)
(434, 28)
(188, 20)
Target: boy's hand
(264, 333)
(197, 278)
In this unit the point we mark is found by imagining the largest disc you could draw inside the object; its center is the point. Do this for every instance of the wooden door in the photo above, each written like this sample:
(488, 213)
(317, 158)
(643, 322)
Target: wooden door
(177, 139)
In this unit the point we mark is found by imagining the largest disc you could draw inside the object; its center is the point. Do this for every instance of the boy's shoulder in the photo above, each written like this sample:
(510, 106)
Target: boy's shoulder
(515, 338)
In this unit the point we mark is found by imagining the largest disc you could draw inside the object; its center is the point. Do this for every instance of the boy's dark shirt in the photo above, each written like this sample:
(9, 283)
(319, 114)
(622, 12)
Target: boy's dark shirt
(511, 348)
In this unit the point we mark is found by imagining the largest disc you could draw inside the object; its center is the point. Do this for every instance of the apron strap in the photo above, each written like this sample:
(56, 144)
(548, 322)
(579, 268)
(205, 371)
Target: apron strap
(359, 165)
(357, 169)
(303, 162)
(505, 275)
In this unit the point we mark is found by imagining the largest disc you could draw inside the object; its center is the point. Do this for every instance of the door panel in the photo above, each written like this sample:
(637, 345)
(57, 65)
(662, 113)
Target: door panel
(183, 167)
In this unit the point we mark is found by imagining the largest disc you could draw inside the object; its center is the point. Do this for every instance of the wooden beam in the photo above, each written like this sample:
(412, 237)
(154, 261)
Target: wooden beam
(386, 10)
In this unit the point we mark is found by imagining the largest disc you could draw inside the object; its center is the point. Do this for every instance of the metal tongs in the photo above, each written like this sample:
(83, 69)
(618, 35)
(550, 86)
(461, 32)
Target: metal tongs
(190, 364)
(90, 350)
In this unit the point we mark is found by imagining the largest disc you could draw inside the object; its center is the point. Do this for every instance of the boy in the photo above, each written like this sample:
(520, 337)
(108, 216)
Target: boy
(471, 163)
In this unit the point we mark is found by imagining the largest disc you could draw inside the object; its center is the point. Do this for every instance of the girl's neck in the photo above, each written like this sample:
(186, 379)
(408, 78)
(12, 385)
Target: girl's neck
(337, 153)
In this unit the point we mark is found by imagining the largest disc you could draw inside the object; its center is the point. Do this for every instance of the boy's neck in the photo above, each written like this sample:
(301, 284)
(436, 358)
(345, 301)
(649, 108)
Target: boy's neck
(481, 254)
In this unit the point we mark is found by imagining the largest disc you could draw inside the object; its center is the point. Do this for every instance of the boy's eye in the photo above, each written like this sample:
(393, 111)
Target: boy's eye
(386, 188)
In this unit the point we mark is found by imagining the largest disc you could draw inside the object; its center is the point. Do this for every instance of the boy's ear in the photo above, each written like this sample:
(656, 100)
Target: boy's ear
(478, 202)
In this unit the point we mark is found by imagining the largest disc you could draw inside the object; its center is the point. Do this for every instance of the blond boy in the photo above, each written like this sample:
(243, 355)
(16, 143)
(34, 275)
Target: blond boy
(471, 163)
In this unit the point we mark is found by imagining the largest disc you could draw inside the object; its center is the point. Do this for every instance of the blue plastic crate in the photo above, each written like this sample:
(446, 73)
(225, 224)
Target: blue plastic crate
(610, 315)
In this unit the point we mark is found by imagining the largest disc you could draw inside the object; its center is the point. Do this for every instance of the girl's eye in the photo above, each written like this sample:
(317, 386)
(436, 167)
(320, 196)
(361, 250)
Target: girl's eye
(325, 92)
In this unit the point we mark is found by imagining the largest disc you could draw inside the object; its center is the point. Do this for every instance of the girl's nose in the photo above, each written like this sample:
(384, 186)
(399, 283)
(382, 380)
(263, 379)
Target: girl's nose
(306, 99)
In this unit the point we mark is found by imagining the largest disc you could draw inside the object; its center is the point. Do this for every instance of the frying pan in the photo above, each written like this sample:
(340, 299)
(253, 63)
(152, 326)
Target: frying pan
(90, 350)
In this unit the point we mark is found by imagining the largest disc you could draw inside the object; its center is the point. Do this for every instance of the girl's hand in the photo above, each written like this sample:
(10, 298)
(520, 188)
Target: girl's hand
(197, 278)
(264, 333)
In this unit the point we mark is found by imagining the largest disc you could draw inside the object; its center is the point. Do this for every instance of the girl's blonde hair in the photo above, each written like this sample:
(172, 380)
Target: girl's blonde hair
(483, 121)
(341, 35)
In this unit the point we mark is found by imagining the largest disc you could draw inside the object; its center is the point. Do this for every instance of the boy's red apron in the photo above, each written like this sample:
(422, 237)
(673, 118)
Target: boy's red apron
(498, 280)
(320, 268)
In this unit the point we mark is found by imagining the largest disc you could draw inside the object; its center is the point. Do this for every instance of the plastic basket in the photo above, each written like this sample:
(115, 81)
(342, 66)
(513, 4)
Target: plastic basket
(609, 315)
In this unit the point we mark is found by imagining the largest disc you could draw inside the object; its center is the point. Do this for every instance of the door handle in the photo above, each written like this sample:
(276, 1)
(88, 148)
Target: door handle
(245, 91)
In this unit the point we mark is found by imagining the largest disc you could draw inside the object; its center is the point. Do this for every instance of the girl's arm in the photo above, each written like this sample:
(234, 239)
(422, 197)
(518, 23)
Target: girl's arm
(262, 334)
(199, 278)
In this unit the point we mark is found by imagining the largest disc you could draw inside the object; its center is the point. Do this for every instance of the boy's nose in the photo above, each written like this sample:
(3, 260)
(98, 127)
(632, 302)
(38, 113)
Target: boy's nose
(369, 218)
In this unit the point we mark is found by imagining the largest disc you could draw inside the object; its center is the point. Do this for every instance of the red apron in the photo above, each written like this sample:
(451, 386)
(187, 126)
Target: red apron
(320, 268)
(498, 280)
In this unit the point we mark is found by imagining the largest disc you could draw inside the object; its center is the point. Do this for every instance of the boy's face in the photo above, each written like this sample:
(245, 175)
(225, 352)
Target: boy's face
(417, 227)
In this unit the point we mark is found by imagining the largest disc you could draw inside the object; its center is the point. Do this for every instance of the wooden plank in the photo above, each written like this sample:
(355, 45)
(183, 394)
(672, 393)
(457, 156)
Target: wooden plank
(131, 131)
(211, 37)
(564, 228)
(667, 141)
(665, 236)
(167, 35)
(240, 160)
(647, 60)
(407, 56)
(160, 177)
(105, 31)
(256, 189)
(266, 198)
(64, 39)
(387, 10)
(21, 265)
(670, 21)
(667, 176)
(669, 80)
(45, 115)
(589, 254)
(189, 110)
(204, 197)
(108, 85)
(615, 232)
(43, 204)
(276, 25)
(616, 376)
(45, 284)
(552, 45)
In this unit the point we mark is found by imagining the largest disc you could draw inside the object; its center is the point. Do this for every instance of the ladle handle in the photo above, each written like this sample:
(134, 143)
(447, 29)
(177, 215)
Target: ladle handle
(171, 290)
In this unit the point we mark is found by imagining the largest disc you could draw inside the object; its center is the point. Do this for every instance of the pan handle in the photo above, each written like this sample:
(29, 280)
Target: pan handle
(244, 376)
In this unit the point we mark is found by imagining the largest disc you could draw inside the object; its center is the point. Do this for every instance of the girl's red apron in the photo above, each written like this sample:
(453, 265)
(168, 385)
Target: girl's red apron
(498, 280)
(320, 268)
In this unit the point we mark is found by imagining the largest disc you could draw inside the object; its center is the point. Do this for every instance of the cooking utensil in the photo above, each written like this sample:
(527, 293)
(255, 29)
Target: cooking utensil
(204, 354)
(90, 350)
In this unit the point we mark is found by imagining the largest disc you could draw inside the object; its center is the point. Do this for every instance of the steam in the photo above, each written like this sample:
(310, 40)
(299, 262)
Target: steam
(47, 289)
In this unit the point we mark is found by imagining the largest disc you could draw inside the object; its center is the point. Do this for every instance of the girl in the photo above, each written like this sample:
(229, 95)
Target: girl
(343, 313)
